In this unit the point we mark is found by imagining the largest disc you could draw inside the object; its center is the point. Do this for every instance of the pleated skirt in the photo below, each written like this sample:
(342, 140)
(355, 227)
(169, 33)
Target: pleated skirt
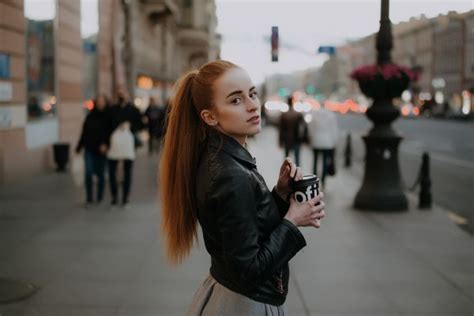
(213, 299)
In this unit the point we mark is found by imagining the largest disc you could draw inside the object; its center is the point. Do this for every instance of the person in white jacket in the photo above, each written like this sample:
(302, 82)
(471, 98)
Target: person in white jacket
(323, 133)
(122, 148)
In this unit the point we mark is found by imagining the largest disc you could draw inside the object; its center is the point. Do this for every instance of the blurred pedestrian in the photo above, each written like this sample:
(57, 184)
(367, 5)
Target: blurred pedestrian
(125, 111)
(155, 120)
(207, 175)
(126, 122)
(94, 140)
(292, 129)
(323, 133)
(445, 108)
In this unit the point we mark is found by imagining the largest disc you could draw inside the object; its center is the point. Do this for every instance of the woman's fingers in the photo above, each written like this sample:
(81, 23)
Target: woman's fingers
(318, 215)
(315, 223)
(292, 166)
(316, 199)
(293, 170)
(299, 174)
(285, 171)
(319, 207)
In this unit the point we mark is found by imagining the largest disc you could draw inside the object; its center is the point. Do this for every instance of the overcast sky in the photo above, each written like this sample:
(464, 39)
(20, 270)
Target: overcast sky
(305, 25)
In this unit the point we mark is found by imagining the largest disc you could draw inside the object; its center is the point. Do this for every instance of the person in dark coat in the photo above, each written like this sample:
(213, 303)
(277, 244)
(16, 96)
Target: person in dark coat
(155, 120)
(94, 139)
(291, 131)
(123, 112)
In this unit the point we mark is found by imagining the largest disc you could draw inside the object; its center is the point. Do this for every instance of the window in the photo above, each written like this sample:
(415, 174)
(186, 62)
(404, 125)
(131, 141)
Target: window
(40, 58)
(89, 33)
(186, 14)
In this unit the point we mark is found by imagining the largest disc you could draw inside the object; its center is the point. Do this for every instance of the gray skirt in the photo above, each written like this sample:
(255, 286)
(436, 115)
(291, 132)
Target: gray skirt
(213, 299)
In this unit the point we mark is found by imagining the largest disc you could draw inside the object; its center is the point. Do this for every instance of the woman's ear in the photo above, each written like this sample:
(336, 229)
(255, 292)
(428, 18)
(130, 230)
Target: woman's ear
(208, 117)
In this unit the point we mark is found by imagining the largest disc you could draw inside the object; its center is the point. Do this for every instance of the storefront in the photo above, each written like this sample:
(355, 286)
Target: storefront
(40, 84)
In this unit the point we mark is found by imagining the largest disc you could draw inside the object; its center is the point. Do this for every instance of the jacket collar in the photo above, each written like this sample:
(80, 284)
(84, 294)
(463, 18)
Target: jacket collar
(219, 141)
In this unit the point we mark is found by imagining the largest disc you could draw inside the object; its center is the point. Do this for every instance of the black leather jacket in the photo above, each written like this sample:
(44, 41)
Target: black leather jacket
(242, 222)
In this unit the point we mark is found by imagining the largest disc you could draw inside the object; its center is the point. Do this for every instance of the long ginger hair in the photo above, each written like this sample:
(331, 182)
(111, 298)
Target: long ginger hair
(185, 134)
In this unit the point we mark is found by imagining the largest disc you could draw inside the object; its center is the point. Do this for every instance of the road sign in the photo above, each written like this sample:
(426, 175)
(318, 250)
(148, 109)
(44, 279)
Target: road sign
(330, 50)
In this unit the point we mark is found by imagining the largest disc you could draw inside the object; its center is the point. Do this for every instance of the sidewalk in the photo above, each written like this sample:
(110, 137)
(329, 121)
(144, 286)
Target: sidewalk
(103, 262)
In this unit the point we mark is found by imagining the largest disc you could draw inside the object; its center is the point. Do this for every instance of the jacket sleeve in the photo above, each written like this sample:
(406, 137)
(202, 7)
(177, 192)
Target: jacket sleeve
(247, 256)
(138, 120)
(80, 143)
(283, 205)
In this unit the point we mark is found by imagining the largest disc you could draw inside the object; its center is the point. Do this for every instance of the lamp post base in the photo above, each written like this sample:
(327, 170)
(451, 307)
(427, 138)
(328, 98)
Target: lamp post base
(381, 189)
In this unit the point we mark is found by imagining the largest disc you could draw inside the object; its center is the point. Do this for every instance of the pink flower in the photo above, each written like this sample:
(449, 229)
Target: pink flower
(388, 71)
(381, 81)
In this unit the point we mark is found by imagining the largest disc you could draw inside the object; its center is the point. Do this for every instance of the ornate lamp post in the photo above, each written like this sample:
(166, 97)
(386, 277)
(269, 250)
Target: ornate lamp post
(381, 188)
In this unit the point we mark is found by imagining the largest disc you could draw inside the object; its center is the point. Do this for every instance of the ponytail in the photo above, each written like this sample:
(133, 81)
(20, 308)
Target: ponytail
(182, 144)
(177, 172)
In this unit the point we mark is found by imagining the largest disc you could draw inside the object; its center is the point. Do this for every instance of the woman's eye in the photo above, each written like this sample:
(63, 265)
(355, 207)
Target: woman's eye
(253, 95)
(236, 101)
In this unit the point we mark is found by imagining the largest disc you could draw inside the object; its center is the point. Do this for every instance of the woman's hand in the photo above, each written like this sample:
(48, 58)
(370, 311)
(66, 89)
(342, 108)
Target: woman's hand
(103, 149)
(288, 172)
(306, 214)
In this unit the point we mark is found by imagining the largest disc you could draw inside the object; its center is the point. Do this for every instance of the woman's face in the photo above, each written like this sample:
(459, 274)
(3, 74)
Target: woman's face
(236, 108)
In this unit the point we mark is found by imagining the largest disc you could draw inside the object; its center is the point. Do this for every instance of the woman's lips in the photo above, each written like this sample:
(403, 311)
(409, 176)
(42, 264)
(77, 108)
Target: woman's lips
(254, 119)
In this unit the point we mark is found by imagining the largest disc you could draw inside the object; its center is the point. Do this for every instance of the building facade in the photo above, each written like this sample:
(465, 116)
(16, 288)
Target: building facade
(468, 79)
(153, 42)
(48, 71)
(440, 49)
(449, 57)
(40, 85)
(413, 48)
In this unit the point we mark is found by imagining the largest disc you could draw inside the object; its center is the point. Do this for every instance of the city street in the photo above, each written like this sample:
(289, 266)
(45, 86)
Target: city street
(103, 262)
(451, 149)
(90, 88)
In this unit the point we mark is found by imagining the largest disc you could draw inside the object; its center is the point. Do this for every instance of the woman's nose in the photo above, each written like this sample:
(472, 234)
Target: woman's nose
(253, 105)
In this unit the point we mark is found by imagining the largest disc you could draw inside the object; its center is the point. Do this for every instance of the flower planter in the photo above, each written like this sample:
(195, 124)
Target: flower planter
(383, 81)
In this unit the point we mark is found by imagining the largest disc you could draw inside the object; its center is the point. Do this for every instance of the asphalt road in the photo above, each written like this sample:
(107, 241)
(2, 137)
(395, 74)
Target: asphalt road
(451, 148)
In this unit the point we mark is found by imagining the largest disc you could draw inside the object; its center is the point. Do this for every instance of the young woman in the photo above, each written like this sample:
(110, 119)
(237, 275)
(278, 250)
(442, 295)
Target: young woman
(207, 175)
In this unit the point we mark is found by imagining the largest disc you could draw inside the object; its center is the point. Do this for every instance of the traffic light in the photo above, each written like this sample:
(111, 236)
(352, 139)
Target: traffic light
(274, 43)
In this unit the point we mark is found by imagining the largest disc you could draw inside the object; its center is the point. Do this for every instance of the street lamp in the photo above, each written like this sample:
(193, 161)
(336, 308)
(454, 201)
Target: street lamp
(381, 188)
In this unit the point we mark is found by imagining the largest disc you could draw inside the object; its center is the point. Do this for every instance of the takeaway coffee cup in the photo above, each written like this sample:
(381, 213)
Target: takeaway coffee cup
(306, 188)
